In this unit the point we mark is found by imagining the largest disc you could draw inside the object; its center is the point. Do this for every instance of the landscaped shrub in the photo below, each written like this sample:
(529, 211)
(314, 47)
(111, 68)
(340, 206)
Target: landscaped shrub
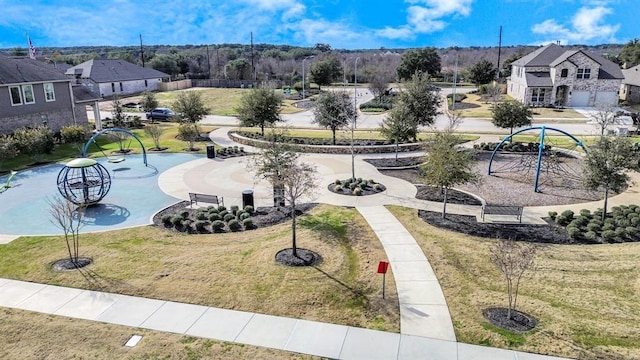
(338, 182)
(221, 208)
(217, 225)
(553, 215)
(247, 223)
(608, 227)
(228, 217)
(186, 224)
(201, 226)
(223, 213)
(177, 220)
(249, 209)
(239, 213)
(608, 235)
(234, 209)
(581, 221)
(212, 209)
(377, 187)
(357, 191)
(564, 218)
(591, 236)
(621, 233)
(201, 215)
(337, 188)
(214, 216)
(635, 221)
(593, 226)
(234, 225)
(623, 222)
(585, 212)
(166, 219)
(631, 231)
(353, 186)
(574, 232)
(244, 216)
(184, 214)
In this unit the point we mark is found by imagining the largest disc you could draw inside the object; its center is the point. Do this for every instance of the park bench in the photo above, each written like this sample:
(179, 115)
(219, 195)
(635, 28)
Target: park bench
(502, 210)
(209, 199)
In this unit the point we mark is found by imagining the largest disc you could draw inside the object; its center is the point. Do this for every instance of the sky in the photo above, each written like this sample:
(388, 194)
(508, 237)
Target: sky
(356, 24)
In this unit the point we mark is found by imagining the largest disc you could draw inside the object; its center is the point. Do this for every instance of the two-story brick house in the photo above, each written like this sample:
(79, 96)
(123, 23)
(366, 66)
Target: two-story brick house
(111, 77)
(553, 75)
(33, 94)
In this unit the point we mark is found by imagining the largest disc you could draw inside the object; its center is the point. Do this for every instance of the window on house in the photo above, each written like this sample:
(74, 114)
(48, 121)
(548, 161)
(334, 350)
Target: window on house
(537, 95)
(564, 73)
(49, 92)
(27, 94)
(583, 73)
(120, 86)
(16, 95)
(113, 87)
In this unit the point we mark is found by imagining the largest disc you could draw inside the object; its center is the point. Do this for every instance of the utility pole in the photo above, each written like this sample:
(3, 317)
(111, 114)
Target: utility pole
(499, 50)
(141, 51)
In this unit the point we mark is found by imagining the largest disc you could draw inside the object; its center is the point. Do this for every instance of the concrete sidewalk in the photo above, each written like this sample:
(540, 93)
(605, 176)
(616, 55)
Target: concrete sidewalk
(295, 335)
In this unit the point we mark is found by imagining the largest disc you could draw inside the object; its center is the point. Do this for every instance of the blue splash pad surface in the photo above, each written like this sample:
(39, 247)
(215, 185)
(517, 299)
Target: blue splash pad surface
(134, 196)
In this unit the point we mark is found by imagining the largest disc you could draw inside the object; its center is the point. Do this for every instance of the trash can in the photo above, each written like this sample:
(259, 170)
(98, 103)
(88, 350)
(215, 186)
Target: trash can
(211, 151)
(247, 198)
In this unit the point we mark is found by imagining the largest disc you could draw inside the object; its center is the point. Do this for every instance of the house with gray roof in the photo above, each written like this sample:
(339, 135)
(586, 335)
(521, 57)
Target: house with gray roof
(32, 94)
(553, 75)
(630, 88)
(111, 77)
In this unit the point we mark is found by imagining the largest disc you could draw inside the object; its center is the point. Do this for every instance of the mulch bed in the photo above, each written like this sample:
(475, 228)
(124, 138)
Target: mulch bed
(434, 193)
(366, 191)
(519, 322)
(262, 216)
(467, 224)
(304, 257)
(399, 163)
(69, 265)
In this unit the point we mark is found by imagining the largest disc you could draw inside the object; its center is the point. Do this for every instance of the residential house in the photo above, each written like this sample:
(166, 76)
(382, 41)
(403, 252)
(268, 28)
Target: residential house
(553, 75)
(32, 94)
(116, 77)
(630, 89)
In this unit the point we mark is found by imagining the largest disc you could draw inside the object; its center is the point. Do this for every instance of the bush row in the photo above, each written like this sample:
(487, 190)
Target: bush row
(312, 141)
(211, 219)
(620, 225)
(511, 146)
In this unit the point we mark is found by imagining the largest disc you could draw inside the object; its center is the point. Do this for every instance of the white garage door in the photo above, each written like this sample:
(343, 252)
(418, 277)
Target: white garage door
(607, 98)
(580, 98)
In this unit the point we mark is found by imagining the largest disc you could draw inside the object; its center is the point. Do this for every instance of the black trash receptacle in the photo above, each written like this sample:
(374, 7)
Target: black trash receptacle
(211, 151)
(247, 198)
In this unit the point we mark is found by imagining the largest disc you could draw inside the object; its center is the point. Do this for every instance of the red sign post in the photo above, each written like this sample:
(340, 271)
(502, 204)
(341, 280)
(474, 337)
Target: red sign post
(383, 266)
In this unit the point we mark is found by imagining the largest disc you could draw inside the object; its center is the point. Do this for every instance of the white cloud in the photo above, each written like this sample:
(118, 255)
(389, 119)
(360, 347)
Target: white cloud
(427, 16)
(585, 25)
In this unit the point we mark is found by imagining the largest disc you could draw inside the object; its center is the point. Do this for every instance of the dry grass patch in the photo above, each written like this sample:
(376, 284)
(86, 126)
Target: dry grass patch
(475, 107)
(586, 297)
(232, 271)
(28, 335)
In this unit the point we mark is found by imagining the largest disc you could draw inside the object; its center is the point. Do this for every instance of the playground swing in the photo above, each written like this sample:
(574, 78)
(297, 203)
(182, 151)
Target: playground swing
(118, 157)
(114, 159)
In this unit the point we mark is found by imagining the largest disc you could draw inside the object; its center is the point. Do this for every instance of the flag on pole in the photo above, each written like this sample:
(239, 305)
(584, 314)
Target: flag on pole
(32, 50)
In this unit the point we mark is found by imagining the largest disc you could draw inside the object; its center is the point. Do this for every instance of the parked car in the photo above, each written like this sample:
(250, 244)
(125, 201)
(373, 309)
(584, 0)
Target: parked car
(160, 114)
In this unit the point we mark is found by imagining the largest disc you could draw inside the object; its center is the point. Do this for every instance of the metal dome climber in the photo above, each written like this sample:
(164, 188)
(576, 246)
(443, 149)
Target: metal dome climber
(551, 165)
(92, 140)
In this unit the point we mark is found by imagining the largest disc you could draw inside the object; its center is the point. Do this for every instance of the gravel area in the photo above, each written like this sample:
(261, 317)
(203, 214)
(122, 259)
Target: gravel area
(516, 188)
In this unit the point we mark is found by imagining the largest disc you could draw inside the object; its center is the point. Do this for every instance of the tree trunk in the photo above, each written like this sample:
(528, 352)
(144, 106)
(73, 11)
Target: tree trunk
(334, 135)
(444, 204)
(510, 294)
(606, 200)
(294, 247)
(397, 145)
(262, 129)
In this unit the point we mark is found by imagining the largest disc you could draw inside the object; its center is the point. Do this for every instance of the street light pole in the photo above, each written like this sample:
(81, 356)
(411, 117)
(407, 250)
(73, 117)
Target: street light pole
(303, 60)
(455, 81)
(355, 116)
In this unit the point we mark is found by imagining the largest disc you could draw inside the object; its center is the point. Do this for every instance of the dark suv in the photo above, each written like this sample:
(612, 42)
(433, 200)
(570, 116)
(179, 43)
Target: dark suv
(160, 114)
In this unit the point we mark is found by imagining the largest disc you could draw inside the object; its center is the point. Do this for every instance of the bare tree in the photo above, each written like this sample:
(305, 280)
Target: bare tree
(379, 83)
(154, 131)
(513, 259)
(603, 117)
(68, 217)
(299, 179)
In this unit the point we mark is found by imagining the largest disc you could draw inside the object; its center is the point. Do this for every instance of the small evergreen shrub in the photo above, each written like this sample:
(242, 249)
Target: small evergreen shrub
(338, 182)
(217, 225)
(591, 236)
(353, 186)
(608, 227)
(184, 214)
(337, 188)
(553, 215)
(214, 216)
(608, 235)
(247, 223)
(234, 209)
(585, 212)
(228, 217)
(564, 218)
(166, 219)
(249, 209)
(234, 225)
(186, 224)
(635, 221)
(201, 216)
(221, 208)
(574, 232)
(621, 232)
(223, 213)
(177, 220)
(593, 226)
(245, 216)
(201, 225)
(357, 191)
(377, 187)
(631, 231)
(212, 210)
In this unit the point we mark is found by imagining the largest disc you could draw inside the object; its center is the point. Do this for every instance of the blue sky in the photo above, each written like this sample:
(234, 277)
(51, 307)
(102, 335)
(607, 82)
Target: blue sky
(357, 24)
